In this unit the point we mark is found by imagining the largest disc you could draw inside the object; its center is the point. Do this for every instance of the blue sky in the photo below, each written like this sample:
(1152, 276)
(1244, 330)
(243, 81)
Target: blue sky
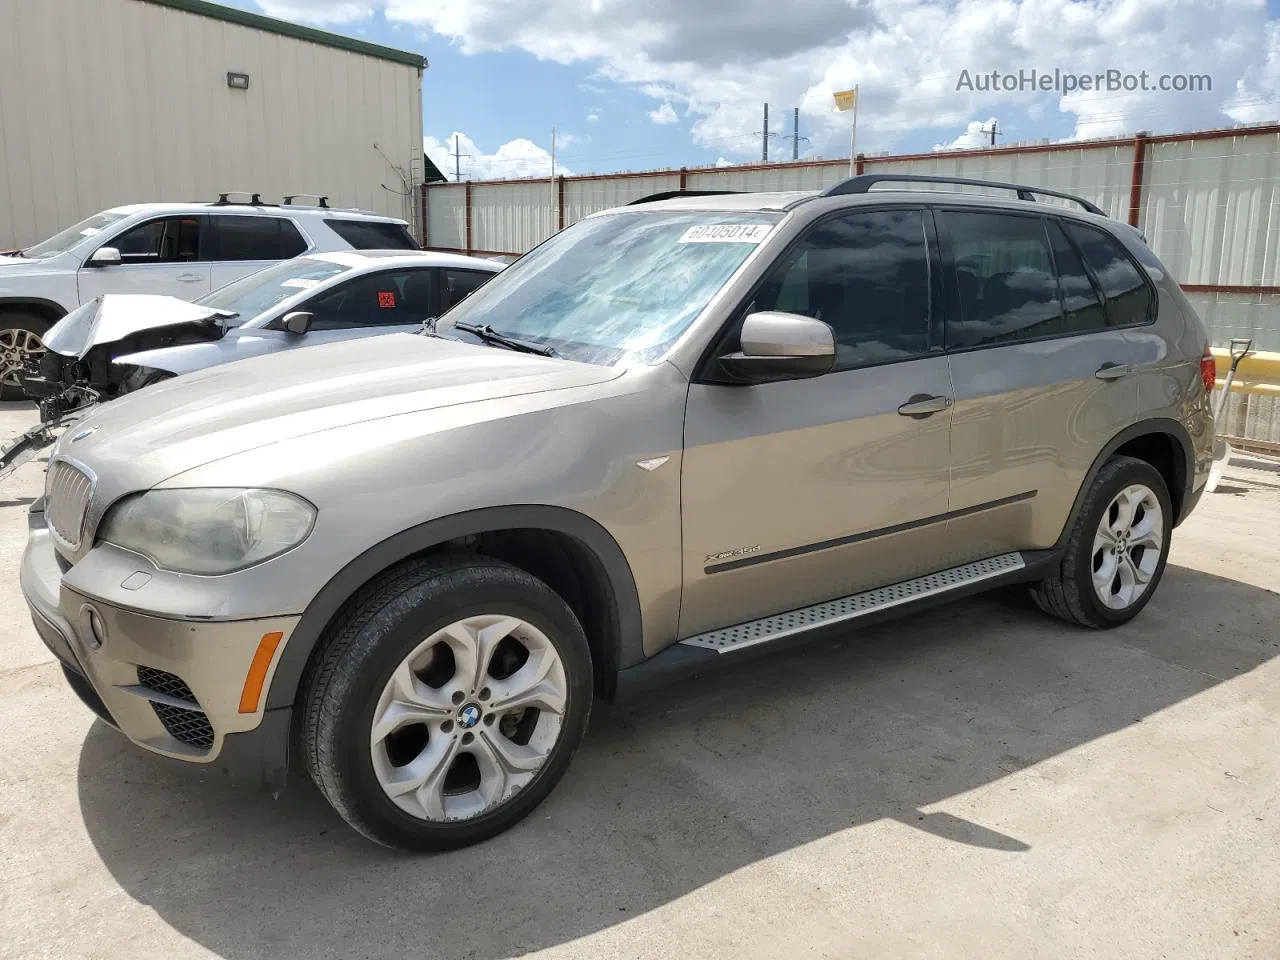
(607, 73)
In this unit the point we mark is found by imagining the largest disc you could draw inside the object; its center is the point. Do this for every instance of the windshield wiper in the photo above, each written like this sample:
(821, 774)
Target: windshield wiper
(490, 335)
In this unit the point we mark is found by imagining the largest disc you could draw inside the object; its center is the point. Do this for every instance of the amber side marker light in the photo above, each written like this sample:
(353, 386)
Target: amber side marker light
(257, 675)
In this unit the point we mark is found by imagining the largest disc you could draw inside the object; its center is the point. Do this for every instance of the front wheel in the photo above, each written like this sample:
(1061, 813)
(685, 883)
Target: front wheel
(1116, 553)
(20, 345)
(446, 703)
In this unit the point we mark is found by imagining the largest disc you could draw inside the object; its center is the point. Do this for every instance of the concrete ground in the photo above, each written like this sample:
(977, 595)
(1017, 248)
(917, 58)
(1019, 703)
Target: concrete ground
(977, 781)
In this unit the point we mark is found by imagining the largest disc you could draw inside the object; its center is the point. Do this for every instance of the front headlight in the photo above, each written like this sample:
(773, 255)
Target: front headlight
(209, 530)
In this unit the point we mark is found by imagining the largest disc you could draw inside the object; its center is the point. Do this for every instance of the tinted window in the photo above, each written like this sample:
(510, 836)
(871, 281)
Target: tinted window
(1128, 296)
(1081, 305)
(867, 276)
(381, 299)
(258, 238)
(169, 240)
(1004, 280)
(369, 235)
(249, 296)
(458, 284)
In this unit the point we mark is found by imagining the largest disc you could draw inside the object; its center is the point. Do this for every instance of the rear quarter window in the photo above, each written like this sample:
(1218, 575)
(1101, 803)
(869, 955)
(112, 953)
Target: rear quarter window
(371, 235)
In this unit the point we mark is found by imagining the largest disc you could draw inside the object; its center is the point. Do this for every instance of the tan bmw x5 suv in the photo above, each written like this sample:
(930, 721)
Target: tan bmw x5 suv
(679, 431)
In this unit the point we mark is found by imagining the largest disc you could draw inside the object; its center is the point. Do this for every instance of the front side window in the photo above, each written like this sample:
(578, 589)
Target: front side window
(82, 232)
(257, 238)
(377, 300)
(167, 240)
(252, 295)
(619, 287)
(1003, 280)
(866, 275)
(1128, 295)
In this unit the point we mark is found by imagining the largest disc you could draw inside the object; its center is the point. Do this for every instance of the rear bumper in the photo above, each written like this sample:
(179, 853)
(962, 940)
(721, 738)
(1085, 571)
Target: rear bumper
(171, 686)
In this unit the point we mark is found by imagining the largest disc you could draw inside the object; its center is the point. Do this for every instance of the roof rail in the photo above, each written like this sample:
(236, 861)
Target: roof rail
(668, 194)
(322, 201)
(255, 199)
(864, 183)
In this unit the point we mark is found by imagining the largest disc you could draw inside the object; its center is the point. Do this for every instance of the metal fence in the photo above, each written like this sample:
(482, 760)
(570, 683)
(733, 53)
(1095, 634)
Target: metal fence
(1208, 202)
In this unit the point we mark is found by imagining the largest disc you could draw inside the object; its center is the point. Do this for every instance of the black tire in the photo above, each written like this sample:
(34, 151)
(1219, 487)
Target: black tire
(1069, 594)
(365, 643)
(17, 320)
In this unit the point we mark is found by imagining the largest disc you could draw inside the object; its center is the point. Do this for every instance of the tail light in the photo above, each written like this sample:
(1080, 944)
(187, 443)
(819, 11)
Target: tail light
(1208, 370)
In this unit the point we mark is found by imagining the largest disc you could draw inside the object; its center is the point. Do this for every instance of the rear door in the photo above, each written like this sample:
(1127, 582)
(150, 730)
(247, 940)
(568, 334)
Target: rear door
(241, 244)
(163, 255)
(1040, 363)
(807, 490)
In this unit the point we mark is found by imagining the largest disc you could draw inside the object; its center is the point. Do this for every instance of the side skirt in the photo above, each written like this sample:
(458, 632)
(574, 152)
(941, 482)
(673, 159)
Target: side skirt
(780, 631)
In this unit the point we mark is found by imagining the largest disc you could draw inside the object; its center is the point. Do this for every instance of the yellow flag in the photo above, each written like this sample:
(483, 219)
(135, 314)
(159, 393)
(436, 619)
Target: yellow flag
(845, 99)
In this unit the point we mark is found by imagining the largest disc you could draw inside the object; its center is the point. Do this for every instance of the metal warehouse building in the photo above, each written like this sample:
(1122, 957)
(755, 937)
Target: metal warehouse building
(106, 102)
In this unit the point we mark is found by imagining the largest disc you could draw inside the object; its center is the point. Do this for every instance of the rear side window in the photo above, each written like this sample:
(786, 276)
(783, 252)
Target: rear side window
(458, 285)
(1128, 294)
(1004, 285)
(371, 235)
(257, 238)
(1081, 305)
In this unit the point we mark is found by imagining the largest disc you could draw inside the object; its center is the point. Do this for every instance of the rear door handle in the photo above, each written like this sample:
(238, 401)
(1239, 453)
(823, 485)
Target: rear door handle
(1113, 371)
(189, 278)
(924, 405)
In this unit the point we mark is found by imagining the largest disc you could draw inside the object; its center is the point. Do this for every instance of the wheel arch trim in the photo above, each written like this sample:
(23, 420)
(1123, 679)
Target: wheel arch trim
(54, 309)
(1157, 426)
(343, 585)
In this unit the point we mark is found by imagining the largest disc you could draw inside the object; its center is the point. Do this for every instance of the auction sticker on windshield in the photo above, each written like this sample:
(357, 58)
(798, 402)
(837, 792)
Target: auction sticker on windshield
(726, 233)
(299, 283)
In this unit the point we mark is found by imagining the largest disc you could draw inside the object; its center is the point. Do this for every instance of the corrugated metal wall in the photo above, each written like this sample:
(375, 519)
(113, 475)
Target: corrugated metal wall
(586, 195)
(105, 102)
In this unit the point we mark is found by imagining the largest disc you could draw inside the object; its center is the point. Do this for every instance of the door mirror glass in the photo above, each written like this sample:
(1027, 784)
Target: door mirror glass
(298, 322)
(781, 346)
(105, 257)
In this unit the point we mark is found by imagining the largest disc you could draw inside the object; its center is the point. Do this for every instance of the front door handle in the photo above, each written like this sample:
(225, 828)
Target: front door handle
(924, 405)
(1113, 371)
(189, 278)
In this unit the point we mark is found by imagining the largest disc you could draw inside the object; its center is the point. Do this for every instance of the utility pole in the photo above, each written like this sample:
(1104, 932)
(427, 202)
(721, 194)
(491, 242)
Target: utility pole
(457, 158)
(993, 131)
(795, 137)
(764, 138)
(554, 198)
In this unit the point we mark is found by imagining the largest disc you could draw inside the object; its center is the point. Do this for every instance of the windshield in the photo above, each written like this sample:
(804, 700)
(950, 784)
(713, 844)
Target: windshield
(251, 295)
(69, 237)
(616, 288)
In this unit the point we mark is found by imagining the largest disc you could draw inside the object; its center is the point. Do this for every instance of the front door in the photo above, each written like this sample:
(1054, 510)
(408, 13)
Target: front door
(807, 490)
(166, 256)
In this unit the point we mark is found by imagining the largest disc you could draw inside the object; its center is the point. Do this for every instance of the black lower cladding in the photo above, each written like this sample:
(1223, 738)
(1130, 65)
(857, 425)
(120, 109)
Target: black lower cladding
(186, 724)
(88, 696)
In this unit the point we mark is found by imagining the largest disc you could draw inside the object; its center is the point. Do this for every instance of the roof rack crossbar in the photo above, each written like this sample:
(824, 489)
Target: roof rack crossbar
(864, 183)
(322, 199)
(255, 199)
(668, 194)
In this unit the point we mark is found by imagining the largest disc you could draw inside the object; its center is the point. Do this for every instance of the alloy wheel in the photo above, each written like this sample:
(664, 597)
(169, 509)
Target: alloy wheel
(1127, 546)
(17, 346)
(468, 718)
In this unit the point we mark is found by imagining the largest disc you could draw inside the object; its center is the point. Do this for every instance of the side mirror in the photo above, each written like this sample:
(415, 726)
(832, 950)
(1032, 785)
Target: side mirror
(298, 322)
(781, 346)
(106, 257)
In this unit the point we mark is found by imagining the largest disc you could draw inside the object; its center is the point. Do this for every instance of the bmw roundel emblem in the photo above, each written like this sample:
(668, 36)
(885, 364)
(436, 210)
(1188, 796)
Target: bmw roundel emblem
(83, 433)
(468, 716)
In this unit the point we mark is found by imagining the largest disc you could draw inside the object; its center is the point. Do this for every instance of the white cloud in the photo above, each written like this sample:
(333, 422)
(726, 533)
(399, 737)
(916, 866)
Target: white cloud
(515, 159)
(723, 162)
(716, 61)
(593, 115)
(976, 134)
(664, 114)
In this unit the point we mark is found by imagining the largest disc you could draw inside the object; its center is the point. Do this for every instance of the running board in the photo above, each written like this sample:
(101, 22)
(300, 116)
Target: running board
(743, 635)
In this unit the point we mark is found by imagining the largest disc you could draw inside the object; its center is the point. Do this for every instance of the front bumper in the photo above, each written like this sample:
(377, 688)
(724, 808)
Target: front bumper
(171, 686)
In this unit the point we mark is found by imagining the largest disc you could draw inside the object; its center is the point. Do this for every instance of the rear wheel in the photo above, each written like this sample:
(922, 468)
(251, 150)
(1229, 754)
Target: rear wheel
(20, 343)
(447, 702)
(1116, 553)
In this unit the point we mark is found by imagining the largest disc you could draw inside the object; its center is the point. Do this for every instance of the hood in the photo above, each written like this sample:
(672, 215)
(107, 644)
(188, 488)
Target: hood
(113, 317)
(7, 261)
(145, 437)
